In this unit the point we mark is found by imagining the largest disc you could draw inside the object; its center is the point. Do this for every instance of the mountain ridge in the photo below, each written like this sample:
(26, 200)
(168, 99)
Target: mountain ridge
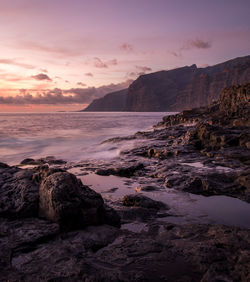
(177, 89)
(114, 100)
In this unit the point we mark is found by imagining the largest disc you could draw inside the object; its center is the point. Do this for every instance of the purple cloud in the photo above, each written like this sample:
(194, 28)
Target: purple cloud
(200, 44)
(62, 96)
(143, 69)
(41, 76)
(81, 84)
(15, 63)
(89, 74)
(98, 63)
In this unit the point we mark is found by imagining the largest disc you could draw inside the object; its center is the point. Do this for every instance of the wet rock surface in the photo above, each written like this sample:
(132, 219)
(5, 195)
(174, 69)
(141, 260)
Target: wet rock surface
(126, 171)
(203, 151)
(48, 160)
(35, 250)
(137, 200)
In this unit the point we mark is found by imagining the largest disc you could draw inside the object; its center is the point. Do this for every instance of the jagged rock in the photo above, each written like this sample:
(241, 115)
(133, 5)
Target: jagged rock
(48, 160)
(111, 102)
(121, 171)
(146, 188)
(19, 194)
(138, 200)
(186, 87)
(27, 161)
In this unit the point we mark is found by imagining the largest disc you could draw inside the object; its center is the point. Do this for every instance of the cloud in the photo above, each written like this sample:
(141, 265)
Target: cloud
(15, 63)
(112, 62)
(200, 44)
(134, 75)
(143, 69)
(191, 44)
(81, 84)
(98, 63)
(203, 65)
(89, 74)
(57, 50)
(62, 96)
(175, 54)
(140, 70)
(13, 77)
(196, 44)
(41, 76)
(127, 47)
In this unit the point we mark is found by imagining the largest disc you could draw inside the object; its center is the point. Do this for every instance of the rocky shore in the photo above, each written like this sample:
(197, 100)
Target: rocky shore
(53, 227)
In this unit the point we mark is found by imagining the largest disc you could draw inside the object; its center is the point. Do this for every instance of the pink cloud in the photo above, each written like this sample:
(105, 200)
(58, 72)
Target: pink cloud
(57, 50)
(81, 84)
(61, 96)
(89, 74)
(41, 76)
(143, 68)
(15, 63)
(98, 63)
(13, 77)
(127, 47)
(203, 65)
(199, 43)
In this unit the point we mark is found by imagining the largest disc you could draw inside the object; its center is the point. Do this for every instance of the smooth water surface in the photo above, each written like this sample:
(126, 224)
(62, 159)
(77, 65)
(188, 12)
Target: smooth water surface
(70, 136)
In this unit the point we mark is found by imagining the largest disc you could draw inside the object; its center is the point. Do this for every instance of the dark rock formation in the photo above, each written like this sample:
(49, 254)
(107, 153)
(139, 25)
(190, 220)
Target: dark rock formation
(126, 171)
(185, 87)
(65, 200)
(53, 194)
(19, 193)
(138, 200)
(35, 251)
(112, 102)
(48, 160)
(229, 125)
(219, 132)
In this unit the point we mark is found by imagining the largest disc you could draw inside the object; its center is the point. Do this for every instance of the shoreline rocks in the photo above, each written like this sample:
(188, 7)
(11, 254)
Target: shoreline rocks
(54, 228)
(53, 194)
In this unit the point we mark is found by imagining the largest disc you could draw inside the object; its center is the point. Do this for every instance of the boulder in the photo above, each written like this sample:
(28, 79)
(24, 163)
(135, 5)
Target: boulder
(64, 199)
(53, 194)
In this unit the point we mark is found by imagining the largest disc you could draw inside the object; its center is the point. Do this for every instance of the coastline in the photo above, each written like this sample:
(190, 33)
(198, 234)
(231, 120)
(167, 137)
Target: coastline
(203, 152)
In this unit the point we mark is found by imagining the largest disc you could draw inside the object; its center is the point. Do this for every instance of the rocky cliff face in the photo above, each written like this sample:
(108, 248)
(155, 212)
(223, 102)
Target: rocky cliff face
(186, 87)
(114, 101)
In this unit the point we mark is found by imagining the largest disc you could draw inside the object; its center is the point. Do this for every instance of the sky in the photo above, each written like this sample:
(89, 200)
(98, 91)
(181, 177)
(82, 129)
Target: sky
(62, 54)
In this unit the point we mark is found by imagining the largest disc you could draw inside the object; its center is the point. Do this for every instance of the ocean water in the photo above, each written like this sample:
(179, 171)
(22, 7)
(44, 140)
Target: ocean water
(70, 136)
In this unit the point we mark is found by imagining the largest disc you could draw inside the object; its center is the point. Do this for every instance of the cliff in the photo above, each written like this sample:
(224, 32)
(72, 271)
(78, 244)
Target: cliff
(185, 87)
(114, 101)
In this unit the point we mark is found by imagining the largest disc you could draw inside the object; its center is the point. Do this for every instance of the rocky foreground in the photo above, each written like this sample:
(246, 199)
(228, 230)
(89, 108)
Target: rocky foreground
(54, 228)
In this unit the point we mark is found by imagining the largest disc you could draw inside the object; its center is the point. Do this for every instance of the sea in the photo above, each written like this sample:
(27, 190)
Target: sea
(72, 136)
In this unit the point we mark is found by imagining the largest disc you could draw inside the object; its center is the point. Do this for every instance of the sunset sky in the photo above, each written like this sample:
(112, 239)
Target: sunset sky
(61, 54)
